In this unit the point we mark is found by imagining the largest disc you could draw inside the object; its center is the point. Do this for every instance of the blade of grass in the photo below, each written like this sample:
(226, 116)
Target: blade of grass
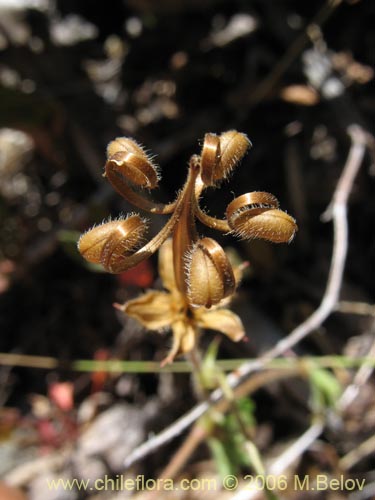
(118, 366)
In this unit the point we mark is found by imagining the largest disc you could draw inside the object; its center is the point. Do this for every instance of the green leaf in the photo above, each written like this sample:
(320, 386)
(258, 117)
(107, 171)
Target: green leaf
(325, 387)
(221, 457)
(232, 453)
(210, 372)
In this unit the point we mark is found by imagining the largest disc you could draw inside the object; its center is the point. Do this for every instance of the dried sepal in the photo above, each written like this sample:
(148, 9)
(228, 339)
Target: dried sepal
(129, 160)
(256, 215)
(184, 340)
(209, 274)
(224, 321)
(220, 154)
(153, 309)
(108, 243)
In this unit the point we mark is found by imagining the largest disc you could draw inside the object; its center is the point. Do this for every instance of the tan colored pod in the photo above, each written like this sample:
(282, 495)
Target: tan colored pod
(108, 243)
(127, 158)
(210, 275)
(233, 147)
(256, 215)
(220, 154)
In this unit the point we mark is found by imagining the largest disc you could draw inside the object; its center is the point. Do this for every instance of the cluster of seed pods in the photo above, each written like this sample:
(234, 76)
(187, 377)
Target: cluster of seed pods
(202, 270)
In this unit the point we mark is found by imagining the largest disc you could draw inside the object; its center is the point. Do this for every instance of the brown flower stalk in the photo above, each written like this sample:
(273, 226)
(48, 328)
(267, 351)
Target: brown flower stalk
(196, 271)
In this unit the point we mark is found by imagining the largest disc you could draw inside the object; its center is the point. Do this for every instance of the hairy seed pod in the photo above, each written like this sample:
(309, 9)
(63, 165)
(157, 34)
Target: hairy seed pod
(127, 158)
(233, 146)
(256, 215)
(220, 154)
(108, 243)
(210, 275)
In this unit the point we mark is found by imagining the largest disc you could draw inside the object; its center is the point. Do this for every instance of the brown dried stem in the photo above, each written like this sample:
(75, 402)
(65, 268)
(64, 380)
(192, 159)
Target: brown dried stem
(136, 199)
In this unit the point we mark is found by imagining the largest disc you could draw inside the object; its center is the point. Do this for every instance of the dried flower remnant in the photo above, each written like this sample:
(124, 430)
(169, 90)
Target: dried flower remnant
(196, 272)
(158, 310)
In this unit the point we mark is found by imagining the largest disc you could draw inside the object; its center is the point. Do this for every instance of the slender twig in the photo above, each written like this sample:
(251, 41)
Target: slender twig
(337, 210)
(354, 456)
(297, 448)
(27, 360)
(120, 366)
(360, 308)
(287, 458)
(196, 435)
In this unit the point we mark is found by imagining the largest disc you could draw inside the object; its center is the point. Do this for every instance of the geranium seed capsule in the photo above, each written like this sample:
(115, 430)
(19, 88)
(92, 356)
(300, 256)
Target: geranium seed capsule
(210, 275)
(220, 154)
(108, 243)
(210, 158)
(256, 215)
(129, 160)
(233, 146)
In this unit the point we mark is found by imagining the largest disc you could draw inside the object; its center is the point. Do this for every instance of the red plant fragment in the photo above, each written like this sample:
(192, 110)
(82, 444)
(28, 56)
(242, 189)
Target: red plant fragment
(61, 394)
(141, 275)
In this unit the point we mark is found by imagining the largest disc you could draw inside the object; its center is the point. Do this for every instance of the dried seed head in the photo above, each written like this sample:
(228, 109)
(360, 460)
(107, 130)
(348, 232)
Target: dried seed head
(210, 159)
(256, 215)
(233, 146)
(108, 243)
(220, 154)
(127, 158)
(210, 275)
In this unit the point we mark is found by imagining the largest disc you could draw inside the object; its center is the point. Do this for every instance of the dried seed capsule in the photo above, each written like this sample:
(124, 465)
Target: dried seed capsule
(210, 275)
(109, 243)
(127, 158)
(220, 154)
(233, 146)
(256, 215)
(210, 159)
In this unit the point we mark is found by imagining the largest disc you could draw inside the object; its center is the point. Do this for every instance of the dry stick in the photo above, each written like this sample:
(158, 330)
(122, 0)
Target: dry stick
(296, 449)
(15, 359)
(337, 211)
(195, 437)
(286, 459)
(360, 308)
(354, 456)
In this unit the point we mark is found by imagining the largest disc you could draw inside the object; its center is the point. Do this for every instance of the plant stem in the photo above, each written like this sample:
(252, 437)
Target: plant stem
(119, 366)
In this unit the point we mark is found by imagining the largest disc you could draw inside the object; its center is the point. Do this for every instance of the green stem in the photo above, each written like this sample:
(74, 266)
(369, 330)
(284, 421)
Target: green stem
(227, 365)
